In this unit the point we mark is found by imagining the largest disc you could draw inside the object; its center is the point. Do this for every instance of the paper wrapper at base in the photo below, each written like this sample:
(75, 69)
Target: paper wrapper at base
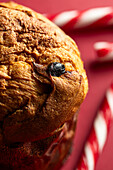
(46, 154)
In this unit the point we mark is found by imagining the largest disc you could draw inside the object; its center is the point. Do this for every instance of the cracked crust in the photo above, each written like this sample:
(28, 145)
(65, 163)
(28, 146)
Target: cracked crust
(32, 105)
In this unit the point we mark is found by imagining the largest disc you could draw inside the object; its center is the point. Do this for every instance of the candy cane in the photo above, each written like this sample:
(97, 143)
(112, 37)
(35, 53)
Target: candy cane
(95, 17)
(99, 133)
(104, 51)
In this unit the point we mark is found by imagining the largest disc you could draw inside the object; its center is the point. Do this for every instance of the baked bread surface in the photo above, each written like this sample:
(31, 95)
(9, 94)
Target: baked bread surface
(33, 103)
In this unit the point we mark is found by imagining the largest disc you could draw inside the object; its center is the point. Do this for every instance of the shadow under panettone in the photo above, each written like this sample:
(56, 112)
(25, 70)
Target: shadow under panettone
(44, 154)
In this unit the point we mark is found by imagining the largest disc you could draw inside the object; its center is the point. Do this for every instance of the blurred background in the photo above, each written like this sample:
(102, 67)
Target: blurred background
(100, 75)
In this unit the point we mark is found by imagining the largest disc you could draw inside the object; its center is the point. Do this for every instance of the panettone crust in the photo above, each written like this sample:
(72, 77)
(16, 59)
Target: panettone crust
(33, 104)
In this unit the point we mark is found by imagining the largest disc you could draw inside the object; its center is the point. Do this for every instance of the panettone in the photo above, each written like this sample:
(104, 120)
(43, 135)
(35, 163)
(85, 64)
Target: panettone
(42, 79)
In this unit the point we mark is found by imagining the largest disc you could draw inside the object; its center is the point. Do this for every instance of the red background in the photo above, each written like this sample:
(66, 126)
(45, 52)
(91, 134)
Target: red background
(99, 75)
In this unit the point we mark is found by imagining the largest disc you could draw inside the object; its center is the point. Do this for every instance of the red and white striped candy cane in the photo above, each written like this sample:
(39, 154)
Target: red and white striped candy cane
(99, 133)
(104, 51)
(71, 20)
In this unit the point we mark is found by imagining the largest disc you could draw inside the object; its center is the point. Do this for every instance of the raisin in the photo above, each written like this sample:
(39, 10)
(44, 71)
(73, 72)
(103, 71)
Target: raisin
(56, 69)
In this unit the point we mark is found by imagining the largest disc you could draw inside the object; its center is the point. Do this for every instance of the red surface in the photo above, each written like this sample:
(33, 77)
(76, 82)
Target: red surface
(99, 75)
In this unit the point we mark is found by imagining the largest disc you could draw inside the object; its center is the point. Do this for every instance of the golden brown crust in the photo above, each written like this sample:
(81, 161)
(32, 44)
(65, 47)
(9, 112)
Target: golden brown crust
(34, 104)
